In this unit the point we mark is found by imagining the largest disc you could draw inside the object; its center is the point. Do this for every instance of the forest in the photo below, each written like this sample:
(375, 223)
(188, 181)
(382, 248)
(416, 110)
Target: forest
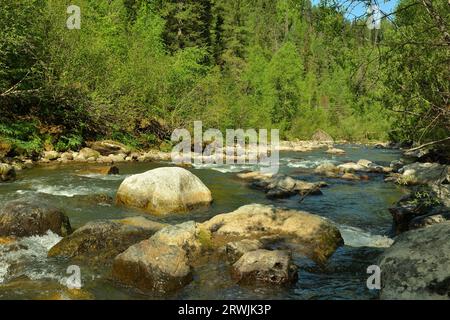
(138, 69)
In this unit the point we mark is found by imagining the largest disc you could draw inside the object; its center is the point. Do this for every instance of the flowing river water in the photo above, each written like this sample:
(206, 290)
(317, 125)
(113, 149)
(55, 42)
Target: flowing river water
(359, 209)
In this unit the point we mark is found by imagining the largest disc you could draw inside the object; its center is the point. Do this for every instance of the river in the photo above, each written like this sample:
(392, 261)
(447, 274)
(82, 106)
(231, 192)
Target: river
(359, 209)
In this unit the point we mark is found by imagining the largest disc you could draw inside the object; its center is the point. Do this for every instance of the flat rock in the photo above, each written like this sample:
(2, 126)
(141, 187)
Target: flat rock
(100, 241)
(314, 235)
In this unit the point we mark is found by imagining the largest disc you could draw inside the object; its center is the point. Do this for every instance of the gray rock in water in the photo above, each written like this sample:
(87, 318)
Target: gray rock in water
(264, 266)
(28, 217)
(416, 266)
(99, 241)
(152, 266)
(282, 186)
(424, 173)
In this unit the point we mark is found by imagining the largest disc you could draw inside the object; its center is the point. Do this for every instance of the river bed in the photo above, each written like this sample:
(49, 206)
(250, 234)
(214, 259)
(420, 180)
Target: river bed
(359, 209)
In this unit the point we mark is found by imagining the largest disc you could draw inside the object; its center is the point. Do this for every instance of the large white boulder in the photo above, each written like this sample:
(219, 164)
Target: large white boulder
(163, 191)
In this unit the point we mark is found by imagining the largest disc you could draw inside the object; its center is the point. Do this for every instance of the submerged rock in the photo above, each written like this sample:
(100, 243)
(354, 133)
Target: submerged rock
(314, 235)
(264, 266)
(28, 217)
(153, 266)
(102, 240)
(7, 172)
(164, 191)
(416, 266)
(105, 170)
(335, 151)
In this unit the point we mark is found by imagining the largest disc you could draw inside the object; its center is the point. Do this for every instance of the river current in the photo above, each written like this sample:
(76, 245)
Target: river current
(359, 209)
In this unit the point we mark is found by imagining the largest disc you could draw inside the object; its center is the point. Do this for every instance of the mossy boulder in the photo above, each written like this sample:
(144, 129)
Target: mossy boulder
(29, 216)
(100, 241)
(308, 233)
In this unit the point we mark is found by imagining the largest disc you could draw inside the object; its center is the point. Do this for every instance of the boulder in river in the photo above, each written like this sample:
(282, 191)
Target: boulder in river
(282, 186)
(28, 217)
(7, 172)
(164, 191)
(424, 173)
(418, 209)
(188, 235)
(100, 241)
(416, 266)
(264, 266)
(87, 154)
(327, 169)
(107, 147)
(51, 155)
(236, 249)
(153, 266)
(312, 234)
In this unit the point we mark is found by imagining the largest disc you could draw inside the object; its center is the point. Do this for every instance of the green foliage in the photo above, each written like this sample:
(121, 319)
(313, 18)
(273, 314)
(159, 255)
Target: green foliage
(23, 137)
(70, 142)
(232, 64)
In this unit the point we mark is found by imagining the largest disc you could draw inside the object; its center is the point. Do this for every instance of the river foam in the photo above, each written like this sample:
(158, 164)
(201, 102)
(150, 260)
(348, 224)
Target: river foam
(356, 237)
(308, 164)
(65, 191)
(28, 257)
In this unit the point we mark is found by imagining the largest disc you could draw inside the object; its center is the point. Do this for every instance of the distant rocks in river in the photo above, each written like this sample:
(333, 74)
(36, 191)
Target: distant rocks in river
(99, 241)
(30, 216)
(351, 170)
(335, 151)
(281, 186)
(416, 266)
(163, 191)
(7, 172)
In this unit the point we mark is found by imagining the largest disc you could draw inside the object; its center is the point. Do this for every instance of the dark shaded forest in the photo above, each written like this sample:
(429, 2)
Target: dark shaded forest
(137, 69)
